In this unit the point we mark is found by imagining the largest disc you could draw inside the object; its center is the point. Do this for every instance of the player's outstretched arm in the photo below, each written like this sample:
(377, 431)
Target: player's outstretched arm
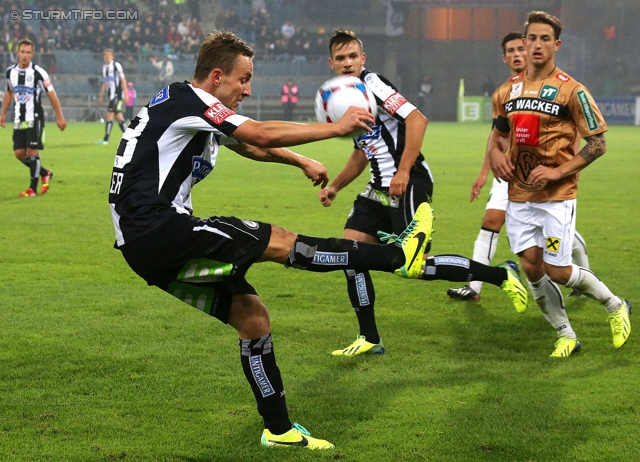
(354, 167)
(312, 169)
(278, 134)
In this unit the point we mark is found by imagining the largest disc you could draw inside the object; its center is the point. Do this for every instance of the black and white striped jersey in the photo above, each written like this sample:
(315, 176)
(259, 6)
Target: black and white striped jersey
(385, 144)
(27, 86)
(112, 74)
(171, 145)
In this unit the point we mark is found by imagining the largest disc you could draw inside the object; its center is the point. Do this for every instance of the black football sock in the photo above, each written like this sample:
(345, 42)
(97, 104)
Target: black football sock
(43, 171)
(123, 126)
(456, 268)
(34, 168)
(260, 368)
(363, 296)
(107, 130)
(322, 255)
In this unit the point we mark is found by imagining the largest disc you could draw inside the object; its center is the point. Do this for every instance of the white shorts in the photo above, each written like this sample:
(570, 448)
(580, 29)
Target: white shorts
(498, 196)
(548, 225)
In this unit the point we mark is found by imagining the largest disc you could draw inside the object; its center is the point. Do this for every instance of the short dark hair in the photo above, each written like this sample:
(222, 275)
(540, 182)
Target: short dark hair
(341, 37)
(25, 41)
(507, 38)
(542, 17)
(219, 49)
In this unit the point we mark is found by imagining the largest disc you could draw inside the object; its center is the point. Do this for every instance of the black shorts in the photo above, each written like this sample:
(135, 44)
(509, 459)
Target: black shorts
(372, 212)
(30, 138)
(201, 261)
(115, 105)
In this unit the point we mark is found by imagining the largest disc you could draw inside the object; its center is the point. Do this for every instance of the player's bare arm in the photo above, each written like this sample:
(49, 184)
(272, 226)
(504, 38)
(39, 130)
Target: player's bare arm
(356, 164)
(277, 134)
(8, 97)
(596, 146)
(416, 127)
(477, 185)
(55, 104)
(125, 96)
(102, 90)
(501, 165)
(312, 169)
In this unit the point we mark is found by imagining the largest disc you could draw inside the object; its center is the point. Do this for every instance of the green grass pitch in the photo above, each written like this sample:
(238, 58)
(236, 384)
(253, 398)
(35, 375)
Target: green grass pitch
(97, 366)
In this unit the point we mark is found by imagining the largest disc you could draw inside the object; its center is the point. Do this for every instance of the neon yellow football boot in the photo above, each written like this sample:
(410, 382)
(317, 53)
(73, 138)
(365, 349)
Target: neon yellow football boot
(297, 436)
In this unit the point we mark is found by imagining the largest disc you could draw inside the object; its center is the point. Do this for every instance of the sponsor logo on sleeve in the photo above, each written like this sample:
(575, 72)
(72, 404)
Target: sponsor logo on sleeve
(218, 113)
(200, 169)
(393, 103)
(587, 110)
(526, 128)
(161, 97)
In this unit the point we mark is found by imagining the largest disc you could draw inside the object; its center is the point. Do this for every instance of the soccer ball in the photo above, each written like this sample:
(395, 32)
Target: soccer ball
(336, 95)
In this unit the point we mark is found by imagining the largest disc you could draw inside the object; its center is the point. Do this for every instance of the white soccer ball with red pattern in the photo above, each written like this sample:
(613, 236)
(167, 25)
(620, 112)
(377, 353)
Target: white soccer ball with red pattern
(338, 94)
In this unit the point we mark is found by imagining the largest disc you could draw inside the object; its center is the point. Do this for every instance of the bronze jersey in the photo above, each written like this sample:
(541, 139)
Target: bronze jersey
(545, 118)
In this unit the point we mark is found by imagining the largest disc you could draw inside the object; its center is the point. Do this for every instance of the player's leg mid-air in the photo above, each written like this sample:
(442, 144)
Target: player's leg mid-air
(414, 241)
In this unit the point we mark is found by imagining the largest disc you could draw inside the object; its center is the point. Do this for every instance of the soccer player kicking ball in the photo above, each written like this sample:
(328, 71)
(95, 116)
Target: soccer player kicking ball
(171, 145)
(541, 113)
(484, 249)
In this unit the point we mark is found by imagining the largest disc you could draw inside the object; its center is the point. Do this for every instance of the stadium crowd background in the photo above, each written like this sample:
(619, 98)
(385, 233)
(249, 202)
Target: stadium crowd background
(291, 36)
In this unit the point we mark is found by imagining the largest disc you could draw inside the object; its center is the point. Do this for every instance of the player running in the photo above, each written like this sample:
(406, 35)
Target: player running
(541, 112)
(484, 249)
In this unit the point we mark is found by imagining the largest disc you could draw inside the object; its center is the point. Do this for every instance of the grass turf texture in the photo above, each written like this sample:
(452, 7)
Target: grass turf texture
(95, 365)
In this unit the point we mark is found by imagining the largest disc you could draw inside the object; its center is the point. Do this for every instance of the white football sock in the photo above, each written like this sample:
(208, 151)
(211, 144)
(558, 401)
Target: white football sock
(549, 299)
(579, 251)
(484, 249)
(587, 282)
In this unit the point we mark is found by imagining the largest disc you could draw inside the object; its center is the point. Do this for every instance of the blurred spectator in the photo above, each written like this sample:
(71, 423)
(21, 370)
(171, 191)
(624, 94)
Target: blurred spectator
(289, 98)
(425, 92)
(166, 69)
(288, 30)
(488, 87)
(132, 98)
(195, 28)
(130, 66)
(183, 27)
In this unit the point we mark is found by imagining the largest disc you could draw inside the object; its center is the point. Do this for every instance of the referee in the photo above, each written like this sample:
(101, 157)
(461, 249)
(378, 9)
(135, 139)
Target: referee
(25, 83)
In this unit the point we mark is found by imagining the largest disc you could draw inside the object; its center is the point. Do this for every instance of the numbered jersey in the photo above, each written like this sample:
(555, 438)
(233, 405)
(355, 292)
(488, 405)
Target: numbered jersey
(545, 118)
(171, 145)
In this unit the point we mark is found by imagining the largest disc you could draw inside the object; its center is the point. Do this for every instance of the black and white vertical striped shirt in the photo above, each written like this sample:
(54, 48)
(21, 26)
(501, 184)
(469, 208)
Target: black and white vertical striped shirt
(171, 145)
(27, 86)
(385, 144)
(112, 74)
